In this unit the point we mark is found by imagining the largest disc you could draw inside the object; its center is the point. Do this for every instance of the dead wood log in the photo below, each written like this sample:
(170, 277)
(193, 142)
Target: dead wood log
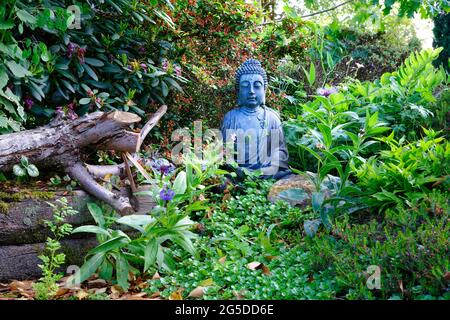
(23, 223)
(20, 262)
(61, 143)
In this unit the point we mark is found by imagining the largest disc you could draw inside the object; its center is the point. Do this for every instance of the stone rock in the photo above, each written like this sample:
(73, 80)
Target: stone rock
(297, 189)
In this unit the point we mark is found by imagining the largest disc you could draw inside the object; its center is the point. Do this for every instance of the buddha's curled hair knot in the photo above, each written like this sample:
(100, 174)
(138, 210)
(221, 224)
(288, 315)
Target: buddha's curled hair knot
(250, 66)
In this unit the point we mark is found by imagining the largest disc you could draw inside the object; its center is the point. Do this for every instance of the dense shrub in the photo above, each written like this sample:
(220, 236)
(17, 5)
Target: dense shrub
(403, 99)
(367, 55)
(50, 64)
(410, 246)
(441, 33)
(211, 38)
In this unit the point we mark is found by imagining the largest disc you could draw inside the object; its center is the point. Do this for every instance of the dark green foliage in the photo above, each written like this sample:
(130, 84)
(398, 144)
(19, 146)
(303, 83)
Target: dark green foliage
(245, 229)
(367, 55)
(406, 173)
(441, 33)
(411, 247)
(48, 64)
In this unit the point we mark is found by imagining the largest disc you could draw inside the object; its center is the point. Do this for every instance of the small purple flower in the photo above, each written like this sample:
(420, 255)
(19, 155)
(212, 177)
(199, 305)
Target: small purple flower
(177, 70)
(142, 49)
(72, 115)
(144, 67)
(165, 65)
(326, 91)
(166, 194)
(29, 102)
(162, 166)
(59, 111)
(67, 111)
(80, 53)
(71, 49)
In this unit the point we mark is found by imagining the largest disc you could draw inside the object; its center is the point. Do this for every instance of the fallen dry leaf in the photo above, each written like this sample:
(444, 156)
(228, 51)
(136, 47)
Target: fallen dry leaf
(21, 285)
(240, 295)
(156, 276)
(4, 287)
(81, 294)
(176, 295)
(97, 283)
(254, 265)
(136, 296)
(265, 270)
(155, 294)
(258, 265)
(197, 292)
(116, 292)
(61, 292)
(222, 260)
(99, 291)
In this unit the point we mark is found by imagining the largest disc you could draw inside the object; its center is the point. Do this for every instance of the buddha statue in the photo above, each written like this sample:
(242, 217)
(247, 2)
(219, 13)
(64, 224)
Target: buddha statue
(252, 131)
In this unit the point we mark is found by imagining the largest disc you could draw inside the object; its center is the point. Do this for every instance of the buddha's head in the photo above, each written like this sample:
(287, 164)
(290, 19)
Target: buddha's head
(251, 83)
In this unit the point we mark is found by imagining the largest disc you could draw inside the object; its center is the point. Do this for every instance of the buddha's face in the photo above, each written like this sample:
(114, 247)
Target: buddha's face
(251, 91)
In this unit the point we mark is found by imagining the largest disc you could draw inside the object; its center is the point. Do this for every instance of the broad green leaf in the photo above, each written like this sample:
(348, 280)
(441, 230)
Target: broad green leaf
(24, 161)
(326, 134)
(3, 77)
(122, 271)
(185, 243)
(90, 72)
(88, 269)
(96, 213)
(92, 229)
(312, 152)
(136, 221)
(18, 70)
(173, 83)
(105, 271)
(311, 227)
(25, 16)
(317, 200)
(94, 62)
(180, 185)
(164, 89)
(5, 25)
(85, 101)
(32, 170)
(110, 245)
(19, 171)
(151, 251)
(372, 120)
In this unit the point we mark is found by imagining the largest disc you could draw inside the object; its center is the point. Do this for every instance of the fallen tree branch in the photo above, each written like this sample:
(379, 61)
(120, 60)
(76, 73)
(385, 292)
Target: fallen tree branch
(61, 143)
(80, 173)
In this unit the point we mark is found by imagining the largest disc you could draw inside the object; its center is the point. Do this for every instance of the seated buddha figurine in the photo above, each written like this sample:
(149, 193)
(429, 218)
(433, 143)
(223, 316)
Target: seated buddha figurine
(252, 132)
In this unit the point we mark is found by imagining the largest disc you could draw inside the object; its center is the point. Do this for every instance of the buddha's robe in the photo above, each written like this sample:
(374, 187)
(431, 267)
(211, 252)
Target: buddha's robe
(256, 136)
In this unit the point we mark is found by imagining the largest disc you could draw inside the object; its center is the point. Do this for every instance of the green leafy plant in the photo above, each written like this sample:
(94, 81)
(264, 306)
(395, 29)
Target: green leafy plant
(166, 225)
(25, 169)
(52, 259)
(47, 65)
(406, 172)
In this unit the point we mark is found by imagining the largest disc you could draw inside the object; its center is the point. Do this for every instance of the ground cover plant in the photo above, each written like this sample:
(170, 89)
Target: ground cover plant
(363, 103)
